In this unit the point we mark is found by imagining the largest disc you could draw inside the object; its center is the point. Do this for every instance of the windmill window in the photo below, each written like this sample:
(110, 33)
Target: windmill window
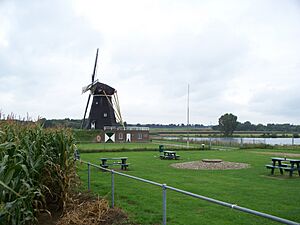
(96, 103)
(120, 136)
(140, 136)
(105, 114)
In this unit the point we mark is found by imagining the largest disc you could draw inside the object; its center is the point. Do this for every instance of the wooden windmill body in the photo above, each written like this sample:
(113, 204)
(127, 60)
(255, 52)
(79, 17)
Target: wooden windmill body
(105, 109)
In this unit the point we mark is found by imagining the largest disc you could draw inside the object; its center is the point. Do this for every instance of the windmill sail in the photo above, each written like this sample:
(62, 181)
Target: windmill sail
(88, 88)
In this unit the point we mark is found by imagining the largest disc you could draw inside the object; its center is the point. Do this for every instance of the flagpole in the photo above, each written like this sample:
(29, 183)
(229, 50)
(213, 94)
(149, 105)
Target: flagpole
(188, 115)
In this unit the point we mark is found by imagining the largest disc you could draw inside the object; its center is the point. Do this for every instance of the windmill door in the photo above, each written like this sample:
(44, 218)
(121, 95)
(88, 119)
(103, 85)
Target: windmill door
(128, 137)
(93, 125)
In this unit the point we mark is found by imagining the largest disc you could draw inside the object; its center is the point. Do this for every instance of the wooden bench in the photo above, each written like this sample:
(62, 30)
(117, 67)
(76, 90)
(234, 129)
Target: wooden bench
(276, 167)
(169, 157)
(124, 165)
(282, 167)
(166, 157)
(291, 170)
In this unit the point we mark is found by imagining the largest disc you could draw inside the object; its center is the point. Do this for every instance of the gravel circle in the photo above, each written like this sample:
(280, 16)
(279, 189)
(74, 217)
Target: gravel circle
(199, 165)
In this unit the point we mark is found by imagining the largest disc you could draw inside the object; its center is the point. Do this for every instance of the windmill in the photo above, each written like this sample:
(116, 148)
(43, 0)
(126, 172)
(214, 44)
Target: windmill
(105, 109)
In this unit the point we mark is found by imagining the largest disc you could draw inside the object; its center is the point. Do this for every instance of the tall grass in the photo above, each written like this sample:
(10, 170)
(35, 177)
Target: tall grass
(36, 169)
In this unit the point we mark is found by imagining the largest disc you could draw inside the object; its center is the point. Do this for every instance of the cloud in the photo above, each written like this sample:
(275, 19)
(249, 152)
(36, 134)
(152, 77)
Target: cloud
(44, 60)
(237, 57)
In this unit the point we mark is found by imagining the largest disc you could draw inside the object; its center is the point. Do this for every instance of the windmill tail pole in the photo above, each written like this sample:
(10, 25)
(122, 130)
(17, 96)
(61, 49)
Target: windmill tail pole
(119, 109)
(113, 104)
(87, 105)
(116, 107)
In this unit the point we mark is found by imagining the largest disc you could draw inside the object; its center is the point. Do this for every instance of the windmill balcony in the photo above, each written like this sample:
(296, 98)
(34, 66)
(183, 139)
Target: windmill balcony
(107, 128)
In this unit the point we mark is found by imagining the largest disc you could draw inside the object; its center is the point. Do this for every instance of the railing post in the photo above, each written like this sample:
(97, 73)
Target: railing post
(112, 189)
(164, 190)
(89, 176)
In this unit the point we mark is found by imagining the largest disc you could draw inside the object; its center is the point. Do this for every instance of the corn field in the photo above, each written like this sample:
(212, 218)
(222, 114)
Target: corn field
(36, 170)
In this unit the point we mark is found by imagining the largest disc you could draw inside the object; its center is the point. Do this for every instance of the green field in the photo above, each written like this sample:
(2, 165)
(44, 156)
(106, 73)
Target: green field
(253, 188)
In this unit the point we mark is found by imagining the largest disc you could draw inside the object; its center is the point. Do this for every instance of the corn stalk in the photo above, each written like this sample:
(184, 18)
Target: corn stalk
(36, 168)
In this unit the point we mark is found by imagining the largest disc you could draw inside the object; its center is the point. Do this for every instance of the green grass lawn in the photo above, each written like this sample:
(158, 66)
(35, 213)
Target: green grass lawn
(253, 188)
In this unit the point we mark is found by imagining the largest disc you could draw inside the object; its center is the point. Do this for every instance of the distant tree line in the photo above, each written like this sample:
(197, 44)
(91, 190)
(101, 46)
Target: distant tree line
(76, 124)
(270, 127)
(286, 127)
(69, 123)
(227, 125)
(169, 125)
(246, 126)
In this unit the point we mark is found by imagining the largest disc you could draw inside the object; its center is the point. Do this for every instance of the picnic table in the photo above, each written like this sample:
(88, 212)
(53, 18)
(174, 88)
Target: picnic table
(122, 161)
(169, 155)
(284, 164)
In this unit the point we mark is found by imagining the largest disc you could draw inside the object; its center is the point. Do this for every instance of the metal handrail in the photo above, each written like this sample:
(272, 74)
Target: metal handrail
(165, 187)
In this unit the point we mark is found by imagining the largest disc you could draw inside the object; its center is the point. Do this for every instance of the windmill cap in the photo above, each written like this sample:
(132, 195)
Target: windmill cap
(100, 88)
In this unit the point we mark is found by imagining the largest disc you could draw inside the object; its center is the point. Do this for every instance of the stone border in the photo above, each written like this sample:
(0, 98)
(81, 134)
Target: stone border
(212, 160)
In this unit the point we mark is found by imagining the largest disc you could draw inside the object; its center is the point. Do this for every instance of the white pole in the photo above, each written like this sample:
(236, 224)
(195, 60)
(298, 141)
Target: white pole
(188, 115)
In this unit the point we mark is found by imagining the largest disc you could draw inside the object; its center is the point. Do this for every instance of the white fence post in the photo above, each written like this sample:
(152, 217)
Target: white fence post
(112, 189)
(89, 176)
(164, 204)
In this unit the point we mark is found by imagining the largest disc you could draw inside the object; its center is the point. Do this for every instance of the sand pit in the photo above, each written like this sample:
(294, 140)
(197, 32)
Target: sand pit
(211, 164)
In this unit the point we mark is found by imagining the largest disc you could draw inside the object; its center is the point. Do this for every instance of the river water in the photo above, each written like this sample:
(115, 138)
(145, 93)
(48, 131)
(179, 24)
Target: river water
(269, 141)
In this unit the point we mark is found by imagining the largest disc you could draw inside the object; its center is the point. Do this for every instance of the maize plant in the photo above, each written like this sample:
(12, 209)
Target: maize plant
(36, 169)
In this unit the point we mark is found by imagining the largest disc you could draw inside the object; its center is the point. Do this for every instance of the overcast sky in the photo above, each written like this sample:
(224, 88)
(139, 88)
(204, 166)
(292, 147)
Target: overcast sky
(240, 57)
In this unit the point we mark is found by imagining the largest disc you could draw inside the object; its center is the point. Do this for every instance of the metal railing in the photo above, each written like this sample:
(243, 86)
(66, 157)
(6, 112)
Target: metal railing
(164, 196)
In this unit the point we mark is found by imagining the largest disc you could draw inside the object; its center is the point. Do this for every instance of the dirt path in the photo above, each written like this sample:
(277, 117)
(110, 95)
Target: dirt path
(278, 154)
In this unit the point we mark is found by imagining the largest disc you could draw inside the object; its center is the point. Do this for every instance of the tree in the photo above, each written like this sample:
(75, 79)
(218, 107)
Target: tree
(246, 126)
(227, 124)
